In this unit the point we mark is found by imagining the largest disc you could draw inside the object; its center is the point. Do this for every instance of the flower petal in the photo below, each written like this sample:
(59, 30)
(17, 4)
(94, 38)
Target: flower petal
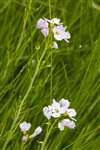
(61, 126)
(66, 123)
(24, 126)
(71, 112)
(47, 112)
(45, 31)
(41, 24)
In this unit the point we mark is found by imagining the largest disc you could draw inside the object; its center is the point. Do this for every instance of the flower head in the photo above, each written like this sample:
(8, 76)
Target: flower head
(57, 109)
(25, 126)
(37, 131)
(55, 27)
(66, 123)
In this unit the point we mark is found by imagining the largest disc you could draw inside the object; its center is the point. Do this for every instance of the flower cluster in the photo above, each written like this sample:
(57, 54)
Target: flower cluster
(24, 127)
(59, 109)
(56, 27)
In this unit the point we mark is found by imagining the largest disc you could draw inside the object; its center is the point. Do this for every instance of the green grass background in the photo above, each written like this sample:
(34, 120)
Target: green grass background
(31, 74)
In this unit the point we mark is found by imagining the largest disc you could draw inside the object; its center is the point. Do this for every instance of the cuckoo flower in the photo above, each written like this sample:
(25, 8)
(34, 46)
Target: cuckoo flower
(47, 111)
(43, 26)
(66, 123)
(64, 104)
(54, 27)
(71, 113)
(60, 33)
(25, 126)
(56, 110)
(61, 109)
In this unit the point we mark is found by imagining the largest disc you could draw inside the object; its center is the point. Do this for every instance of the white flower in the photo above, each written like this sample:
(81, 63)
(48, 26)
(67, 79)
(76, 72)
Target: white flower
(66, 123)
(25, 138)
(56, 27)
(64, 104)
(55, 45)
(56, 110)
(37, 131)
(60, 33)
(43, 26)
(25, 126)
(61, 126)
(71, 112)
(47, 111)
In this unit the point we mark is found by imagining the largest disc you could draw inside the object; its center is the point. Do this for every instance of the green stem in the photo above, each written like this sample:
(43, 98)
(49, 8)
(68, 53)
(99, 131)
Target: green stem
(47, 135)
(25, 97)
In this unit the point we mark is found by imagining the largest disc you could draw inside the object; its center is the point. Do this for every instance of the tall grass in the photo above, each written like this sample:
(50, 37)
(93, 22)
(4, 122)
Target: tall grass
(32, 74)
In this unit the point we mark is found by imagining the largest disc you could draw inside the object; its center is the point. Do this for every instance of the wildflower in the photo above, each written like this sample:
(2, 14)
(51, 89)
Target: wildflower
(37, 131)
(43, 26)
(66, 123)
(60, 33)
(55, 45)
(64, 104)
(58, 30)
(71, 112)
(25, 138)
(25, 126)
(59, 108)
(47, 111)
(56, 110)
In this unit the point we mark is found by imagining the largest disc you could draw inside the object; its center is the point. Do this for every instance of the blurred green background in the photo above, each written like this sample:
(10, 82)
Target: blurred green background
(30, 76)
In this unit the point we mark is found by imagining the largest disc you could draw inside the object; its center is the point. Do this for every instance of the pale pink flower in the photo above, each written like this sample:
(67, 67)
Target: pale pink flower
(66, 123)
(60, 33)
(25, 126)
(47, 111)
(43, 26)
